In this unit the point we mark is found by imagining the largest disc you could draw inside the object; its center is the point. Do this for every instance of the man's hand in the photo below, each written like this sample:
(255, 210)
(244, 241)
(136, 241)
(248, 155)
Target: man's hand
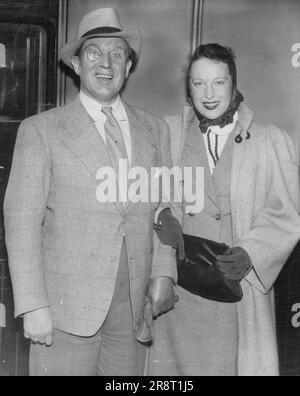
(235, 264)
(162, 296)
(38, 327)
(169, 231)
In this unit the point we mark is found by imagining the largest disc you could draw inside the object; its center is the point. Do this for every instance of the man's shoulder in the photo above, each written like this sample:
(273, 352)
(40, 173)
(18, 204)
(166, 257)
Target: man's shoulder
(51, 116)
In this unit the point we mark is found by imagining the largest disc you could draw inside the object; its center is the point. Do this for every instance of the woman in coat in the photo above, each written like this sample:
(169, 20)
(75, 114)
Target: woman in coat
(251, 196)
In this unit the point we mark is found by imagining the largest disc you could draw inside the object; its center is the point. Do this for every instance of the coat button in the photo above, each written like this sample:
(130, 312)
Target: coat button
(218, 217)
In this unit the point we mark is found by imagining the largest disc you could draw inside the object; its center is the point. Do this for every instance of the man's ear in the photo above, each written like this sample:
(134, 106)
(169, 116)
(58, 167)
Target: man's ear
(76, 64)
(128, 67)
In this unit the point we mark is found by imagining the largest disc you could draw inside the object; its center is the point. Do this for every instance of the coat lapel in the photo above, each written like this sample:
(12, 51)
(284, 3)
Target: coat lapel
(82, 138)
(194, 155)
(143, 148)
(222, 172)
(239, 151)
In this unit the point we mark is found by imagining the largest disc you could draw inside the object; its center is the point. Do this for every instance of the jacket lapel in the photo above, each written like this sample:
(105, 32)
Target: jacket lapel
(143, 148)
(194, 155)
(239, 151)
(222, 172)
(82, 138)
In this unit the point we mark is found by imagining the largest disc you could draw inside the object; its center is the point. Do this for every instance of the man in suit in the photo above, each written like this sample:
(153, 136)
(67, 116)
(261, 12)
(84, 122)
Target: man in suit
(80, 268)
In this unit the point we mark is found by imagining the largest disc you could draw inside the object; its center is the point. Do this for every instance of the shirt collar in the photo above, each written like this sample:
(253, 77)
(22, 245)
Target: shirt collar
(228, 129)
(94, 108)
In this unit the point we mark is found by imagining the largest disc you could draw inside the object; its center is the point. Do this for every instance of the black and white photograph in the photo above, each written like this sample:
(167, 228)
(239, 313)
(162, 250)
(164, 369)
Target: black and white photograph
(149, 191)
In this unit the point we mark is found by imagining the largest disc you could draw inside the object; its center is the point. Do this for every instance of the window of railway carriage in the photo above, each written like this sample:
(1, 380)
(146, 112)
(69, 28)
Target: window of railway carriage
(23, 65)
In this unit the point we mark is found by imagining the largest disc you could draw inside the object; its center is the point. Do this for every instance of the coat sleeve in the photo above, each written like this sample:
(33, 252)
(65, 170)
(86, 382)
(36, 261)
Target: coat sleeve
(276, 229)
(164, 257)
(176, 128)
(24, 212)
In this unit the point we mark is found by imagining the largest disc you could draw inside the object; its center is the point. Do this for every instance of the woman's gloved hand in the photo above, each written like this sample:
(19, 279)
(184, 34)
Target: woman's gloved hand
(235, 264)
(169, 231)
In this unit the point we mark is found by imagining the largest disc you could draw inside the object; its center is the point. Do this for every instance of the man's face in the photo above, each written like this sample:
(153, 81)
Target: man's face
(211, 87)
(103, 68)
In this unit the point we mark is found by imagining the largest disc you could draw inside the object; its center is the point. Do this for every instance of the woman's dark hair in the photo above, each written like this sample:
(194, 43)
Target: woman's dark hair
(214, 52)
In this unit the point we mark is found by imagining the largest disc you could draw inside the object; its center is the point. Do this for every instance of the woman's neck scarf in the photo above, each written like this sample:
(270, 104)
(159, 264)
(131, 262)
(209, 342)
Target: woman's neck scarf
(223, 120)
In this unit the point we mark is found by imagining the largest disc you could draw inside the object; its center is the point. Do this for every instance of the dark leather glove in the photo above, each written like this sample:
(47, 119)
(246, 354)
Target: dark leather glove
(169, 231)
(235, 264)
(162, 295)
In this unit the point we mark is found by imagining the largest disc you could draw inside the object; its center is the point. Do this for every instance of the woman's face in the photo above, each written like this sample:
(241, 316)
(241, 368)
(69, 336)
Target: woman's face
(211, 87)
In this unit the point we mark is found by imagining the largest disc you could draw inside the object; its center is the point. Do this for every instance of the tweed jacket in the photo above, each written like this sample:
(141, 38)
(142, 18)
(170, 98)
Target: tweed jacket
(63, 245)
(264, 196)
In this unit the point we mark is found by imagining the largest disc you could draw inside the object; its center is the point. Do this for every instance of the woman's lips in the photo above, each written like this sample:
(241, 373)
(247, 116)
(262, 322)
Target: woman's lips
(211, 106)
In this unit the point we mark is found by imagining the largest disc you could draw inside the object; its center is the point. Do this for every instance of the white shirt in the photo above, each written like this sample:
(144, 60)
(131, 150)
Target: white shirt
(223, 134)
(94, 110)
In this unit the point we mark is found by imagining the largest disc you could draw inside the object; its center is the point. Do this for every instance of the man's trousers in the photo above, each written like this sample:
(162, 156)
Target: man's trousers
(113, 351)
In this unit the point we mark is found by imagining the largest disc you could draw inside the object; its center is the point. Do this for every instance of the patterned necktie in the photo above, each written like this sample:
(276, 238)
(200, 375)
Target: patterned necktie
(115, 141)
(115, 146)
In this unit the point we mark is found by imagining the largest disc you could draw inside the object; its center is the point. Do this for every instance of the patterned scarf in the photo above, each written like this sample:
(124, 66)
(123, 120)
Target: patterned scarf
(223, 120)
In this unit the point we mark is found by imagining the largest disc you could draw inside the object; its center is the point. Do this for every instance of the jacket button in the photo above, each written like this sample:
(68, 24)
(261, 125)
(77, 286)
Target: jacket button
(218, 217)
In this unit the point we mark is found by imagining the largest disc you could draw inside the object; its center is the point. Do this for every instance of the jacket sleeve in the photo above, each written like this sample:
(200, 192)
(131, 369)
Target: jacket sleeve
(24, 212)
(164, 257)
(276, 229)
(176, 128)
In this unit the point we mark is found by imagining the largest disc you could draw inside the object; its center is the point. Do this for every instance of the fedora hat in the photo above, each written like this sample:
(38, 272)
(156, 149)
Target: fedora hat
(103, 22)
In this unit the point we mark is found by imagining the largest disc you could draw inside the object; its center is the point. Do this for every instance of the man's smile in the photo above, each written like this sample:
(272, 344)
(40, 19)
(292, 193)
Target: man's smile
(104, 77)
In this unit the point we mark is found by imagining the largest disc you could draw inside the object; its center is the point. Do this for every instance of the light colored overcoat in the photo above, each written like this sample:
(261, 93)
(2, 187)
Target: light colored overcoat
(63, 244)
(264, 203)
